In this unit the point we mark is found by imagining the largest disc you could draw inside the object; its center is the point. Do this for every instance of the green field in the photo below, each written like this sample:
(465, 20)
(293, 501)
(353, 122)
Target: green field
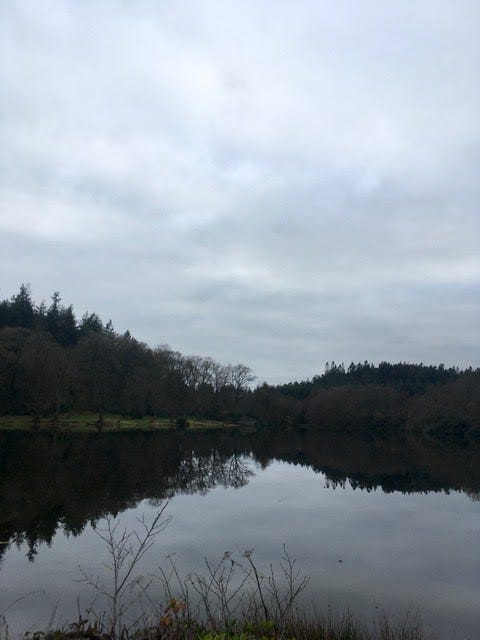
(86, 422)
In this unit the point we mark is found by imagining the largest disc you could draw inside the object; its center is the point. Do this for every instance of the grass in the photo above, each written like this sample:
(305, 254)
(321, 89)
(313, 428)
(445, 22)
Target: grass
(86, 423)
(176, 625)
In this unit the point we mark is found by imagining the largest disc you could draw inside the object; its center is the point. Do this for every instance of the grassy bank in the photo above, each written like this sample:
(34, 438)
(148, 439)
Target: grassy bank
(87, 422)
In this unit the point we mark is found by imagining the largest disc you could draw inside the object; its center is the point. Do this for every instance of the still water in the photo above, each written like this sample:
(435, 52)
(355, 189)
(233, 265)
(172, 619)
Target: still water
(379, 525)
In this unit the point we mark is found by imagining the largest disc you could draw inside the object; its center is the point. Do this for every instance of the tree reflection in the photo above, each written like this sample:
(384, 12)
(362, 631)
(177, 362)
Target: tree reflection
(51, 482)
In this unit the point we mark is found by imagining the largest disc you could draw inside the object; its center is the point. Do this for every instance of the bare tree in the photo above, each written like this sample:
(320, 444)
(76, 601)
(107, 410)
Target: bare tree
(241, 376)
(220, 377)
(125, 549)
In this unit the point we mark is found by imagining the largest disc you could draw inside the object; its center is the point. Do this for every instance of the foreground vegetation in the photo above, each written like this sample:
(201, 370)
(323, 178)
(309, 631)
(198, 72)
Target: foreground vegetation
(53, 367)
(171, 626)
(233, 599)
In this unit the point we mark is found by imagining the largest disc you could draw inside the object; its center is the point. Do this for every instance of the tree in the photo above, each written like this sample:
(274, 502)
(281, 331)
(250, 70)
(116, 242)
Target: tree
(42, 375)
(136, 393)
(12, 340)
(61, 322)
(160, 372)
(90, 323)
(220, 377)
(5, 314)
(21, 308)
(97, 366)
(241, 376)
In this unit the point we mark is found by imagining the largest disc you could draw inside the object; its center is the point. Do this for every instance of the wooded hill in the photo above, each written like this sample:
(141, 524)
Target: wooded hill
(51, 363)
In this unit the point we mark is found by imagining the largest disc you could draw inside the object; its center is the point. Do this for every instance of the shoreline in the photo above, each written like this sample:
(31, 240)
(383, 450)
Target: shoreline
(87, 423)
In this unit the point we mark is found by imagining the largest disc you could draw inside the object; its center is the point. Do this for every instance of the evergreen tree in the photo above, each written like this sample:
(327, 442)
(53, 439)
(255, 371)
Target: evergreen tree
(21, 308)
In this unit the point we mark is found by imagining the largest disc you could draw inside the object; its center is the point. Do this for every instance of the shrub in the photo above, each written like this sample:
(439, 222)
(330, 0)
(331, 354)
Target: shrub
(181, 423)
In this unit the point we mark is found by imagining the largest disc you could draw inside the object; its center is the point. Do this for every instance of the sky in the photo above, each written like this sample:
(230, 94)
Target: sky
(275, 183)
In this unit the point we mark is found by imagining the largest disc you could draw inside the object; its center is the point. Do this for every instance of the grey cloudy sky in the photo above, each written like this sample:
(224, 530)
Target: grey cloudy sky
(277, 183)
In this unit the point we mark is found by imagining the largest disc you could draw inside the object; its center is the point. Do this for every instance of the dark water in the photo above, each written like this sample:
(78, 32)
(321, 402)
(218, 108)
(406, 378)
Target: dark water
(402, 516)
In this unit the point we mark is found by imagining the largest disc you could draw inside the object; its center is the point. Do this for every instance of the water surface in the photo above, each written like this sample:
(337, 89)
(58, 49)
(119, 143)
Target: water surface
(378, 524)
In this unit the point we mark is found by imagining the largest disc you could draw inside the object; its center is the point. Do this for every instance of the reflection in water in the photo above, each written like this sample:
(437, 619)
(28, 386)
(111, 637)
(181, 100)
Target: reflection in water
(403, 542)
(51, 481)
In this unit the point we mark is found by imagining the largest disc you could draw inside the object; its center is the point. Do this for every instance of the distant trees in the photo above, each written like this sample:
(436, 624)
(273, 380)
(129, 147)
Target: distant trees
(350, 406)
(97, 368)
(241, 376)
(60, 322)
(41, 375)
(451, 410)
(19, 312)
(50, 362)
(404, 376)
(434, 399)
(90, 323)
(12, 342)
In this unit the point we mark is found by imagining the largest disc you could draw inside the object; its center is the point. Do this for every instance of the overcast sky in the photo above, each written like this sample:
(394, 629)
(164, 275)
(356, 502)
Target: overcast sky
(267, 182)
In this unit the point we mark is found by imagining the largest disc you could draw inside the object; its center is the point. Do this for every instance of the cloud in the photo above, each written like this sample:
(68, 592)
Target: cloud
(262, 182)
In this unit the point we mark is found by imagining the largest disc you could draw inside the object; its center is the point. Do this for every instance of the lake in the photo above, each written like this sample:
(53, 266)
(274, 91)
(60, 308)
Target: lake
(378, 524)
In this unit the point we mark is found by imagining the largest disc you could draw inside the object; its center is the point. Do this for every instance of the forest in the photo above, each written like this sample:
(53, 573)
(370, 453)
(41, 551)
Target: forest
(52, 364)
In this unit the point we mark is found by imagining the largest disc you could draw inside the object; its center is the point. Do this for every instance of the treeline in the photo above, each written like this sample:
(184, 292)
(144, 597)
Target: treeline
(444, 402)
(51, 363)
(412, 378)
